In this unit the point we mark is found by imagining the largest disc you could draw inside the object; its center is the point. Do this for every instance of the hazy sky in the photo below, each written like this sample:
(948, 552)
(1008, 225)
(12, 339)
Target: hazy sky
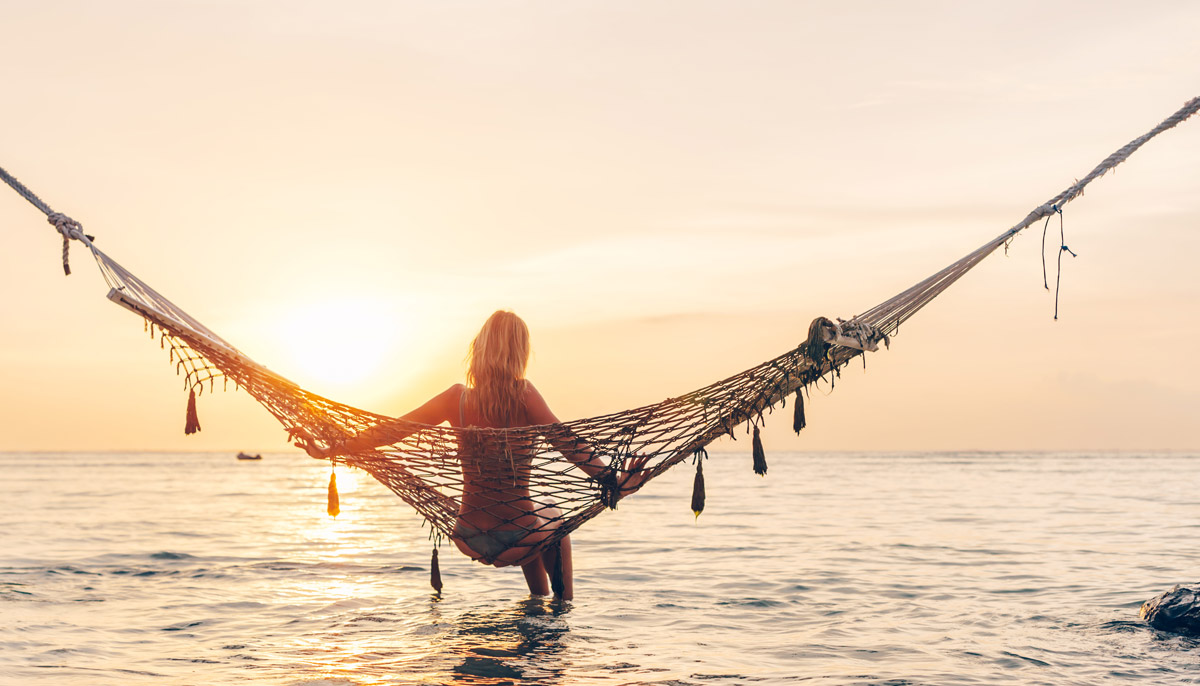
(668, 192)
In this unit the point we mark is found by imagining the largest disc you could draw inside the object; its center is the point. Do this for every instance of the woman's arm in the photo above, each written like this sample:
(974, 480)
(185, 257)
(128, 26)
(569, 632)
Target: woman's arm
(577, 451)
(440, 408)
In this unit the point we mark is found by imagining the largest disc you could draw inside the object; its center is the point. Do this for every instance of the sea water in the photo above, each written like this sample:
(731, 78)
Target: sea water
(850, 568)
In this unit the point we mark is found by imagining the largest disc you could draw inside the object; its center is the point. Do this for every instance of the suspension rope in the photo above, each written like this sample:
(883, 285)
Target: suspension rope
(69, 228)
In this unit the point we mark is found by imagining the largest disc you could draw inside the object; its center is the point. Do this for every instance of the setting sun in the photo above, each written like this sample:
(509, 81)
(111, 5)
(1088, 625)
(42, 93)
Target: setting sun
(334, 344)
(347, 352)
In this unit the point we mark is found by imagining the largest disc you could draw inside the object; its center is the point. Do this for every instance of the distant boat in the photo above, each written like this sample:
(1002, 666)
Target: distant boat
(244, 456)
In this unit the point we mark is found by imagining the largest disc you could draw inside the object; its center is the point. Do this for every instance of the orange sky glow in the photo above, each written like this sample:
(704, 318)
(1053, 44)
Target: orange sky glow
(667, 192)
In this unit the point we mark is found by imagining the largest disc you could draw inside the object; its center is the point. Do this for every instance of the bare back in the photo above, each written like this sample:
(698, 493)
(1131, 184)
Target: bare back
(495, 473)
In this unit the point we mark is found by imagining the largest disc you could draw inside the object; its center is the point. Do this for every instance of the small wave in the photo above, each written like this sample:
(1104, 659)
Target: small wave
(118, 670)
(181, 627)
(144, 572)
(167, 555)
(373, 618)
(7, 592)
(70, 570)
(1123, 626)
(753, 602)
(1030, 660)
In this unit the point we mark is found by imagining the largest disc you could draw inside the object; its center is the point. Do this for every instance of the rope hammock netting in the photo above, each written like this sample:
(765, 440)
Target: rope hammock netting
(428, 466)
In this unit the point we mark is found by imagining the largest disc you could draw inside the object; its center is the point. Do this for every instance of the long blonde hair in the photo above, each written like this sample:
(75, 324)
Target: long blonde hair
(498, 358)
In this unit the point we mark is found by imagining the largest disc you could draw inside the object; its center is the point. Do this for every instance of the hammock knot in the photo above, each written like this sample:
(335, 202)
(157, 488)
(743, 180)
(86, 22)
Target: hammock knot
(816, 348)
(610, 487)
(851, 333)
(70, 229)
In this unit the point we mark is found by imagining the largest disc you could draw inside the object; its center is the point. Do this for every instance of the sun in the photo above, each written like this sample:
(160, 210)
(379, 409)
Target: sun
(336, 344)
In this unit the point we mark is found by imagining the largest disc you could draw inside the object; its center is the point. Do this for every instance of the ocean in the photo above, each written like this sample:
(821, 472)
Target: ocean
(834, 568)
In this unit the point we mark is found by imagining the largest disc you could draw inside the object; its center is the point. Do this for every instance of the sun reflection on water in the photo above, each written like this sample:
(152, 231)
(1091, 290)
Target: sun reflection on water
(355, 641)
(353, 602)
(315, 536)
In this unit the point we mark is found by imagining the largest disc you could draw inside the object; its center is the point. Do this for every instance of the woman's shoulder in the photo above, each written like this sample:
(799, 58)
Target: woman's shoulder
(529, 391)
(450, 399)
(536, 408)
(454, 392)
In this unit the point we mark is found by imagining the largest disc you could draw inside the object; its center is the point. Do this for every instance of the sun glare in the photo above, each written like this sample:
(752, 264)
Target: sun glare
(336, 344)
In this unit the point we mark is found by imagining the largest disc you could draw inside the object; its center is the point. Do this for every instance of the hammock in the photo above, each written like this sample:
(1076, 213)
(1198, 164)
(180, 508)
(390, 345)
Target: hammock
(421, 464)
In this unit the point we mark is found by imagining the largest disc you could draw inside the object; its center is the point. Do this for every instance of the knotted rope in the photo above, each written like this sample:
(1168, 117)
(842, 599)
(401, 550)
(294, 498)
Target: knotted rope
(69, 228)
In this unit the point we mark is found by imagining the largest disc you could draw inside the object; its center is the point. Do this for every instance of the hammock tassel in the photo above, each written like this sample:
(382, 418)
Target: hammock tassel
(334, 505)
(698, 488)
(798, 421)
(556, 572)
(435, 572)
(192, 423)
(760, 457)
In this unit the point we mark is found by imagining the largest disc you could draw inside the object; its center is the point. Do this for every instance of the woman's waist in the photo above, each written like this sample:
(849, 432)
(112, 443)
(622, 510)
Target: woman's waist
(490, 509)
(509, 488)
(517, 499)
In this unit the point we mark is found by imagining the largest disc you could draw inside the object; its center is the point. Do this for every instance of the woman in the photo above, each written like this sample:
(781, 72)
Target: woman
(499, 523)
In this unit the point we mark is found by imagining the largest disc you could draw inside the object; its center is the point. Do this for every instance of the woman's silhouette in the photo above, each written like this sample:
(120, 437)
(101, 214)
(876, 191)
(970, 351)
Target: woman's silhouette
(499, 522)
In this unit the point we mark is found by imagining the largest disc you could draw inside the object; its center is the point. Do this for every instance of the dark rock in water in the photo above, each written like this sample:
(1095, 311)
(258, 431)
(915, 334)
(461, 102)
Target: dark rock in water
(1175, 610)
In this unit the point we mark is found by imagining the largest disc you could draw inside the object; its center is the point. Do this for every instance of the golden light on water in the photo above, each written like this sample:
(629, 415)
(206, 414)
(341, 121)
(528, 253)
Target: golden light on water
(327, 539)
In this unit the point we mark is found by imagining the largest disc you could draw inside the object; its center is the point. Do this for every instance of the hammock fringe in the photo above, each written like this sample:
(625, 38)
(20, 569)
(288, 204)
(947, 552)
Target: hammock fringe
(798, 421)
(698, 488)
(191, 423)
(333, 504)
(760, 457)
(556, 572)
(435, 572)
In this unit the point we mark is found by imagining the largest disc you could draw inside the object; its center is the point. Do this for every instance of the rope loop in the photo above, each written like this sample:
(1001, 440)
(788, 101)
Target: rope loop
(70, 229)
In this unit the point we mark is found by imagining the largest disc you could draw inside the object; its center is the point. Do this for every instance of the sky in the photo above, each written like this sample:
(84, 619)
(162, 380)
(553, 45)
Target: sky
(667, 192)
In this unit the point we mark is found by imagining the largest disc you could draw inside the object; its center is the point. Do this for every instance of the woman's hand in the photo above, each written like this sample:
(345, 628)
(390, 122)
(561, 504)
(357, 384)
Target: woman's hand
(305, 441)
(631, 477)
